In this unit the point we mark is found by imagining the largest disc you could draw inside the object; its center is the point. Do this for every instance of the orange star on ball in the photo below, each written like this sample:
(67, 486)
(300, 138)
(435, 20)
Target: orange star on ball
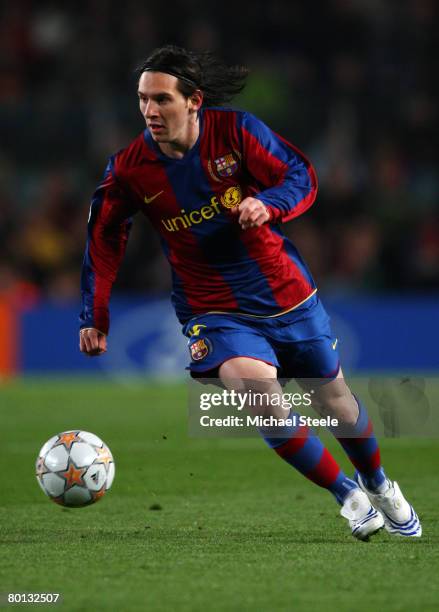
(68, 438)
(73, 475)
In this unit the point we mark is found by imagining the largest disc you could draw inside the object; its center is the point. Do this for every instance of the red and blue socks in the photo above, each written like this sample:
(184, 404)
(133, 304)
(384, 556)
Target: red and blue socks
(361, 446)
(303, 450)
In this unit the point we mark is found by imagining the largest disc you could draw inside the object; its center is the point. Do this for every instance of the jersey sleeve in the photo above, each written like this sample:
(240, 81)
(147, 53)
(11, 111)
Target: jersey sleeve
(287, 180)
(109, 225)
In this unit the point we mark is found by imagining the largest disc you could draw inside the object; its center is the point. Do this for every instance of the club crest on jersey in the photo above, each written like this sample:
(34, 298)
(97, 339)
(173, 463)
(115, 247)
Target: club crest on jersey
(226, 165)
(199, 349)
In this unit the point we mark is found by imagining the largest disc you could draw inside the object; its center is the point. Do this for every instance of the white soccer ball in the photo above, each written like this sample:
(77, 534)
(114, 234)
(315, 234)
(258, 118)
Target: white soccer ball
(75, 468)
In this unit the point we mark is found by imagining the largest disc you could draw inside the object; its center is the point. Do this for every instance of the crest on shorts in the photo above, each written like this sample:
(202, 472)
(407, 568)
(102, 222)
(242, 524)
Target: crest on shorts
(199, 349)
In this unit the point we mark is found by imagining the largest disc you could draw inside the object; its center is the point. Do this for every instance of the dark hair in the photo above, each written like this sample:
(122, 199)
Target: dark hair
(197, 70)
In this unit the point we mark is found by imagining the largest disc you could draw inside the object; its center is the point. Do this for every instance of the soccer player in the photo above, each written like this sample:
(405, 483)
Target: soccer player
(216, 184)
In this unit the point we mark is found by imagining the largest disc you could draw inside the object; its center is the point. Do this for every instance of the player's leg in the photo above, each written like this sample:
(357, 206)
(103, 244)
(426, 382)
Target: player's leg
(302, 449)
(297, 445)
(307, 350)
(357, 438)
(354, 432)
(238, 352)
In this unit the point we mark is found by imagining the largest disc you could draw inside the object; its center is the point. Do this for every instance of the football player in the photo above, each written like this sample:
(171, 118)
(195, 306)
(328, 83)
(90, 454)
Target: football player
(217, 184)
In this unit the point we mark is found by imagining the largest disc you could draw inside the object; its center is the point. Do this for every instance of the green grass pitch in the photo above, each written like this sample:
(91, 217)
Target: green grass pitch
(237, 529)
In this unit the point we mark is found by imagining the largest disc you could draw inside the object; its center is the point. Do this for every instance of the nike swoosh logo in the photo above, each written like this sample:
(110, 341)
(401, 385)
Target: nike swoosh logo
(334, 344)
(149, 200)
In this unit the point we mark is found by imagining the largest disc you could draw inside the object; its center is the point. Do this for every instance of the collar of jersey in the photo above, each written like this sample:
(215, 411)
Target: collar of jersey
(192, 151)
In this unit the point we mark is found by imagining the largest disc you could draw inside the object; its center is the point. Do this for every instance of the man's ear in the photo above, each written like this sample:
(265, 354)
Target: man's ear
(196, 100)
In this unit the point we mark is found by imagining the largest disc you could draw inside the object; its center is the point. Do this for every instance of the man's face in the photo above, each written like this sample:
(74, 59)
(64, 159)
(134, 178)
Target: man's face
(166, 111)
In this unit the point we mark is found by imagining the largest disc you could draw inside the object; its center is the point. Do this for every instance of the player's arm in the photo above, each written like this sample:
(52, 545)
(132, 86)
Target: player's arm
(108, 230)
(287, 180)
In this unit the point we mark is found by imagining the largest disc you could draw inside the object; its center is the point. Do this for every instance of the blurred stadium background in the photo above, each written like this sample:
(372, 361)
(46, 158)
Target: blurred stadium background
(351, 83)
(195, 524)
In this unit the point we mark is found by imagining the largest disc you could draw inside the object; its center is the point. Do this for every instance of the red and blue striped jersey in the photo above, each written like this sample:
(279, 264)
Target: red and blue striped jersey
(216, 266)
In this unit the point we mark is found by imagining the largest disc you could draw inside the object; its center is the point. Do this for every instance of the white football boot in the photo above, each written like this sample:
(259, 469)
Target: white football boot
(399, 516)
(363, 519)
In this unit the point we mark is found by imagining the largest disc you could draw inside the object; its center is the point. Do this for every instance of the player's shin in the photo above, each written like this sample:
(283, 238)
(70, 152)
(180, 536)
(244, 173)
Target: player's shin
(302, 449)
(361, 446)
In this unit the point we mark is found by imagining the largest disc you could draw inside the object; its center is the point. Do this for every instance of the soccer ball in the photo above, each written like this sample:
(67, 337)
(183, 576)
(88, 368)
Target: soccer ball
(75, 468)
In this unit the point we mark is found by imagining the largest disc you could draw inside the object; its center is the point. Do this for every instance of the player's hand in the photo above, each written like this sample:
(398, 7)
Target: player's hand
(92, 342)
(252, 213)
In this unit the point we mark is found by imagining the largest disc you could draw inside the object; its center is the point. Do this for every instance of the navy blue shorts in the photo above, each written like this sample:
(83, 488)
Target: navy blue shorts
(299, 343)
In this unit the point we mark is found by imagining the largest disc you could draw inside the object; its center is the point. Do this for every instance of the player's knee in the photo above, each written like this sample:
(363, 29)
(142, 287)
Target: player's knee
(342, 408)
(266, 400)
(259, 380)
(346, 415)
(337, 401)
(246, 368)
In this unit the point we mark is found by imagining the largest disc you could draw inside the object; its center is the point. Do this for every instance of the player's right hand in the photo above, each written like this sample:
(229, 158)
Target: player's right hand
(252, 213)
(92, 342)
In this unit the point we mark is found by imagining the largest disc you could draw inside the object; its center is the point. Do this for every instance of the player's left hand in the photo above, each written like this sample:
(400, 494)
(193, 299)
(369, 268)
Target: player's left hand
(252, 213)
(92, 342)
